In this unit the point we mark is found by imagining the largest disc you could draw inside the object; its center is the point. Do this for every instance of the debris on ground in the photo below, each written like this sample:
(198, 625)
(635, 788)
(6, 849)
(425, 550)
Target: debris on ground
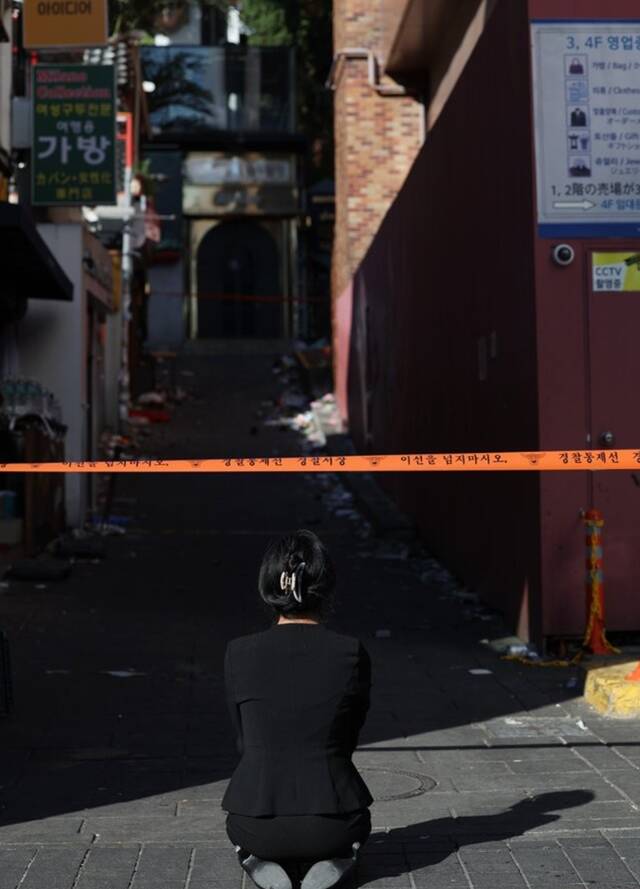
(135, 420)
(78, 547)
(120, 520)
(510, 645)
(109, 529)
(292, 399)
(179, 395)
(283, 364)
(152, 398)
(392, 549)
(327, 415)
(39, 569)
(123, 674)
(151, 414)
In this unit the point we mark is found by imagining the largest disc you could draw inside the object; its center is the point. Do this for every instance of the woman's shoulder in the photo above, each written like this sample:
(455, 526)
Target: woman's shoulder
(338, 640)
(346, 641)
(249, 640)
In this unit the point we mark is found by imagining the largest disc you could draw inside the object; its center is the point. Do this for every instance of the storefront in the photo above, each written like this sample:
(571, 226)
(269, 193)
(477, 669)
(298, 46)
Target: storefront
(243, 211)
(31, 422)
(67, 345)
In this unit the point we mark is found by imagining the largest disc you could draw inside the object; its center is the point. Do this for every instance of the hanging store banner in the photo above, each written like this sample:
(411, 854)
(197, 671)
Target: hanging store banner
(586, 79)
(616, 272)
(54, 23)
(251, 183)
(74, 135)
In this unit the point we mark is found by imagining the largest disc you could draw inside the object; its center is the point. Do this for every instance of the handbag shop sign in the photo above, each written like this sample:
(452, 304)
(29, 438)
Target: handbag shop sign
(74, 135)
(587, 126)
(53, 23)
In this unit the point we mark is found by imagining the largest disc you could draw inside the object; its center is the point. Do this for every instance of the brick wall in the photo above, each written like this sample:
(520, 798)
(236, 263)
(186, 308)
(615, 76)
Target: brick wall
(376, 137)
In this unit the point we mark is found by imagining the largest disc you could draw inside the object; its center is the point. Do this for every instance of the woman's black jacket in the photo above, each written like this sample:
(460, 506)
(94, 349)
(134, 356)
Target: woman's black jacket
(298, 695)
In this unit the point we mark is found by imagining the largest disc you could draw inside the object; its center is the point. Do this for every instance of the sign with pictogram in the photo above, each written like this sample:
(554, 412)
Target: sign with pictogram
(587, 127)
(53, 23)
(74, 135)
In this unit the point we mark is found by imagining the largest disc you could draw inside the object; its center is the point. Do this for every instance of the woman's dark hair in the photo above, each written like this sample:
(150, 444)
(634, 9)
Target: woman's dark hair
(315, 582)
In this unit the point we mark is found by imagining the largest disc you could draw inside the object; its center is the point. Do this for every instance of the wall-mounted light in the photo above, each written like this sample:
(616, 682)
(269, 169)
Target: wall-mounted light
(148, 86)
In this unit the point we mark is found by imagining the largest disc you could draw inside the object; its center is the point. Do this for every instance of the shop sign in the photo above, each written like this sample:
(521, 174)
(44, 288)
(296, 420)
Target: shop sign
(252, 168)
(74, 135)
(252, 183)
(587, 126)
(53, 23)
(616, 272)
(249, 200)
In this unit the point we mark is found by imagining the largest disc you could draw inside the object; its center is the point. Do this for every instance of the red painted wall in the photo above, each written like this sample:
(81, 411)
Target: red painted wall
(457, 267)
(451, 273)
(566, 415)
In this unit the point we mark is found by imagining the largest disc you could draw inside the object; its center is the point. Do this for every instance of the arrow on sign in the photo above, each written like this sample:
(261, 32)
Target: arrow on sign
(573, 205)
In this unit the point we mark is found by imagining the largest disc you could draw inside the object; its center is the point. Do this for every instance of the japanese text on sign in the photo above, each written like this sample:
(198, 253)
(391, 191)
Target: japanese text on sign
(74, 157)
(587, 120)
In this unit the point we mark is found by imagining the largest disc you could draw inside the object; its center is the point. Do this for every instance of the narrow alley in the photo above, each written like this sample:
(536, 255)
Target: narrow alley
(115, 759)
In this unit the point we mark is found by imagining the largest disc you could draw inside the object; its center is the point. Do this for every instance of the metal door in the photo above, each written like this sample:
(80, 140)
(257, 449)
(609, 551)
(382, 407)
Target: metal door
(238, 282)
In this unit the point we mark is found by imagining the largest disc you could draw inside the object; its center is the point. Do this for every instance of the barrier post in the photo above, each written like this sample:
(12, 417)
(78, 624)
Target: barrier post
(595, 637)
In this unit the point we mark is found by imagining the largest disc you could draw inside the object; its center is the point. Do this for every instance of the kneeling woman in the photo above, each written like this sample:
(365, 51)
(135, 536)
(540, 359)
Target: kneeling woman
(298, 695)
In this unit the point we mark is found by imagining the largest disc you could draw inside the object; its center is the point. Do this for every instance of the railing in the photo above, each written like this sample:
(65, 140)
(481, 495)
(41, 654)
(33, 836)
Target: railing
(201, 89)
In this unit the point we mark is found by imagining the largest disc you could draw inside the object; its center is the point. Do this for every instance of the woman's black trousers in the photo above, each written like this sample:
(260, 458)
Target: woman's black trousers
(299, 837)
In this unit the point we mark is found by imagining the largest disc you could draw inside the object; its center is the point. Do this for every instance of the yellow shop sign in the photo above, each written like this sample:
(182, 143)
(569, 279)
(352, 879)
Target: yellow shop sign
(53, 23)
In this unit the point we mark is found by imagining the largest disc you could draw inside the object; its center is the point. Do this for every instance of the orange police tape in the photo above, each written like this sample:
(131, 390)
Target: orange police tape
(536, 461)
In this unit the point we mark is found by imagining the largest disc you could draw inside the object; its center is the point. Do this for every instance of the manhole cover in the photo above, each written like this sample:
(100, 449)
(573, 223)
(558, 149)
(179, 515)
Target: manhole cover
(388, 784)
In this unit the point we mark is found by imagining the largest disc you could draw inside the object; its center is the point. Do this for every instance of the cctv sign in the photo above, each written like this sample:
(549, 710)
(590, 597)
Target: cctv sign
(65, 23)
(616, 272)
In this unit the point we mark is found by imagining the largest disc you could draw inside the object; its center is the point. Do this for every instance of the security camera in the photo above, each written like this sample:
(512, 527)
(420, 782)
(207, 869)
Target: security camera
(563, 254)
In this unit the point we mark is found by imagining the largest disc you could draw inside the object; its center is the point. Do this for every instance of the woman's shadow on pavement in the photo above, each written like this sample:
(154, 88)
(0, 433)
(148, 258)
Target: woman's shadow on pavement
(419, 846)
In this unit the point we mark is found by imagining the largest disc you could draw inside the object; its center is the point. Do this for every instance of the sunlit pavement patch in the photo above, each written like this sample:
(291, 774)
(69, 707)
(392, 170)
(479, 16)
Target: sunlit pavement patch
(537, 727)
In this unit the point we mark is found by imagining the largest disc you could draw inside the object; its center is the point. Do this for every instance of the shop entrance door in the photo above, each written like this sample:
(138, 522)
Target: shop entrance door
(613, 378)
(238, 282)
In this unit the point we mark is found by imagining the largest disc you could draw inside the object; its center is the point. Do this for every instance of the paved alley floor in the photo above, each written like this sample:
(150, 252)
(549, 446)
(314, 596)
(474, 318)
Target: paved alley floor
(485, 773)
